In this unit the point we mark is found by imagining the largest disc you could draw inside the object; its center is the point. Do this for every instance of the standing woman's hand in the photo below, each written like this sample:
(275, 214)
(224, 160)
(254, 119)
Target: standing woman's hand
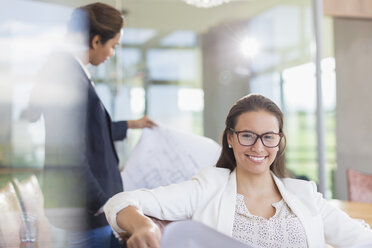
(147, 236)
(141, 123)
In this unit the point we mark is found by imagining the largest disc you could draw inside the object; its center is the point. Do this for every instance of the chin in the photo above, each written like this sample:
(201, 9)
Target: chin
(256, 169)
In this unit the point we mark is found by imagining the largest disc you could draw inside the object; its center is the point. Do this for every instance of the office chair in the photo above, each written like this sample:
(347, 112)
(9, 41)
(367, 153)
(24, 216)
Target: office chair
(10, 216)
(32, 200)
(359, 186)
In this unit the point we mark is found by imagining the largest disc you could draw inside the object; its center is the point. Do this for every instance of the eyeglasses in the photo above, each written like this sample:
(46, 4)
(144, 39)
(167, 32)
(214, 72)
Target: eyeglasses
(249, 138)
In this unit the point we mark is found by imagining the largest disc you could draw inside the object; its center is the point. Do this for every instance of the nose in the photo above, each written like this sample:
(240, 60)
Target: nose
(258, 146)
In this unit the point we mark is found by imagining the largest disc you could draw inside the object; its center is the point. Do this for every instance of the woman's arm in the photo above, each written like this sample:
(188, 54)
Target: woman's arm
(141, 123)
(143, 231)
(173, 202)
(119, 128)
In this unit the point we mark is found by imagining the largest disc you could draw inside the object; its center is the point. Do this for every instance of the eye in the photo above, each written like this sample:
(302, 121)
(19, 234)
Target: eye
(269, 136)
(246, 135)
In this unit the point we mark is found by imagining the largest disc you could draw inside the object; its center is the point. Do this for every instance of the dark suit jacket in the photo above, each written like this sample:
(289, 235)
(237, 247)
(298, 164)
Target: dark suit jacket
(81, 164)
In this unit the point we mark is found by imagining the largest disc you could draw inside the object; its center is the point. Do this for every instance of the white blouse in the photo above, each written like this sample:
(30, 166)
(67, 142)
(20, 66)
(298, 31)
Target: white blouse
(283, 230)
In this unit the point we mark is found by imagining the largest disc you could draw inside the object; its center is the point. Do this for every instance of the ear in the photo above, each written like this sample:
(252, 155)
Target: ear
(229, 138)
(96, 41)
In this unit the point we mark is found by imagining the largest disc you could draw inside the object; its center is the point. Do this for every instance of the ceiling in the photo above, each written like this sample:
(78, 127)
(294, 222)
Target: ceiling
(168, 15)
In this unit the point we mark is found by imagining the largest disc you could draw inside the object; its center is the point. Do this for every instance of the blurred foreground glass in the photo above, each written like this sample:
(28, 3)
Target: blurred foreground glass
(28, 230)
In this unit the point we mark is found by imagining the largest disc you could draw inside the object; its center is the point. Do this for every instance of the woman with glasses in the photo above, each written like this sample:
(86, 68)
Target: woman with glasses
(246, 196)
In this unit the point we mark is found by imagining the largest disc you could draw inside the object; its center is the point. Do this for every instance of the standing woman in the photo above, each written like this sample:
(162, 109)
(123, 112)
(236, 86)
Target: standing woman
(246, 196)
(105, 30)
(80, 134)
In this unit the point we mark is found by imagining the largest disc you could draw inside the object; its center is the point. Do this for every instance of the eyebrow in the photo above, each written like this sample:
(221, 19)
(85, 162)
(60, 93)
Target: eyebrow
(247, 130)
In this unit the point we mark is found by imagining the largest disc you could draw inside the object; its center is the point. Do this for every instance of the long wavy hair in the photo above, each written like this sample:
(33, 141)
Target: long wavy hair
(252, 102)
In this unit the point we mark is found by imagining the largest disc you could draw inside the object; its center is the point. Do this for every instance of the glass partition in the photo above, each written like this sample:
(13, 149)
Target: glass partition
(181, 65)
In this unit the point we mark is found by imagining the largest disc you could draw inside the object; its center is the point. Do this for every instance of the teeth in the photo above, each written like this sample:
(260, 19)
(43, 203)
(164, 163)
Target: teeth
(257, 158)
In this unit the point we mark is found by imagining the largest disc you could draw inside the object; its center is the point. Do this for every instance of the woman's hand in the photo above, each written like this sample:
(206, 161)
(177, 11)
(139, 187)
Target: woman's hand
(144, 233)
(147, 236)
(141, 123)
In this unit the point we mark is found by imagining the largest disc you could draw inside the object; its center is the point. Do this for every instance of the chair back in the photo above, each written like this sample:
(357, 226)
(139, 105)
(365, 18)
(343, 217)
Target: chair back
(10, 217)
(32, 200)
(359, 186)
(160, 223)
(31, 195)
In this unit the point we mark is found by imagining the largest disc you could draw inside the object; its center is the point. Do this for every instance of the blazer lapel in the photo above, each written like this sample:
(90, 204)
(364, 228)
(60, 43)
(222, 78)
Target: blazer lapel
(103, 109)
(227, 206)
(310, 221)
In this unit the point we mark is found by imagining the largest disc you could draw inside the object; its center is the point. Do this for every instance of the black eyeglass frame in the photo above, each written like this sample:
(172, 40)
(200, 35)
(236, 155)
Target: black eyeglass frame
(258, 137)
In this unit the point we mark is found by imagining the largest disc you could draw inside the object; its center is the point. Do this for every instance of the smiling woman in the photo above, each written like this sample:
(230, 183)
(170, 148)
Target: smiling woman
(255, 155)
(254, 114)
(246, 197)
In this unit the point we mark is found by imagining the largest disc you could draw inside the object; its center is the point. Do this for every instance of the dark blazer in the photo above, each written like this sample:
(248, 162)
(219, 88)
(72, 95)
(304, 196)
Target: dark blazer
(103, 160)
(81, 164)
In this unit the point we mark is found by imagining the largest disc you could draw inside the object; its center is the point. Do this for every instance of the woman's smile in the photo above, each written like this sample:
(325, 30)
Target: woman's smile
(256, 159)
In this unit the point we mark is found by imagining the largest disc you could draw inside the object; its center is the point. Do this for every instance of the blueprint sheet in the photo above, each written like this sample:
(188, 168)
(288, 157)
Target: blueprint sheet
(164, 156)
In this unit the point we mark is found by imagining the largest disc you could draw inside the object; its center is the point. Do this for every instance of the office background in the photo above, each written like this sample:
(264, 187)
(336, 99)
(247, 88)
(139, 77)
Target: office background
(184, 66)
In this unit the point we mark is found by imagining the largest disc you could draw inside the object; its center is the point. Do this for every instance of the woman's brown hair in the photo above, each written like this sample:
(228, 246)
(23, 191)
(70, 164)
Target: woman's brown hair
(104, 20)
(252, 102)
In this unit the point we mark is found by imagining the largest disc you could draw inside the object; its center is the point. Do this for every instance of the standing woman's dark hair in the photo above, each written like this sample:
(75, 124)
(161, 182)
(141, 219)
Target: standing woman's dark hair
(252, 102)
(104, 20)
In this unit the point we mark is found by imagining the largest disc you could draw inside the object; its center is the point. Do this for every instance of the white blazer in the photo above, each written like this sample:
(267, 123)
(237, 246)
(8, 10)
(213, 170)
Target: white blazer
(210, 198)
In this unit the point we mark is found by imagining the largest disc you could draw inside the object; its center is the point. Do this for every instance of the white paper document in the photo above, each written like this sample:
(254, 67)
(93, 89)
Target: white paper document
(191, 234)
(362, 246)
(164, 156)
